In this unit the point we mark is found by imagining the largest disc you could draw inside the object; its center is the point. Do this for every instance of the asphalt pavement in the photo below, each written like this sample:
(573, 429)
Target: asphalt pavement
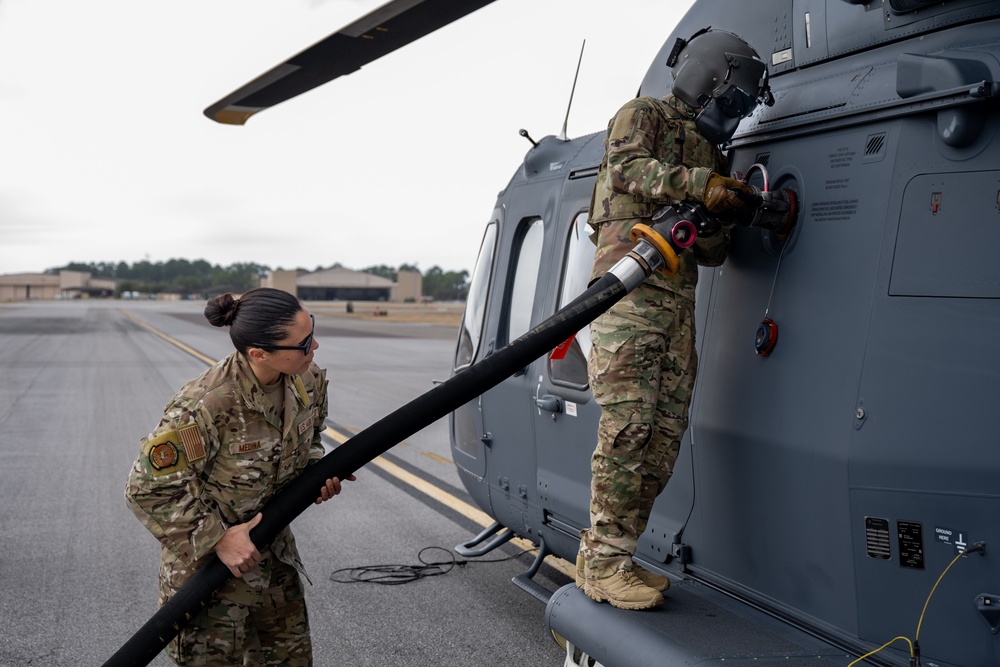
(84, 381)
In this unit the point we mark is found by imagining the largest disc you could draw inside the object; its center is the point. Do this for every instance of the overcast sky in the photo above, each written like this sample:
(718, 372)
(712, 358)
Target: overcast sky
(105, 155)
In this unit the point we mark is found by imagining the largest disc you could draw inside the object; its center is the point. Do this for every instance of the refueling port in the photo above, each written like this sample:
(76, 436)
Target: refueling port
(774, 242)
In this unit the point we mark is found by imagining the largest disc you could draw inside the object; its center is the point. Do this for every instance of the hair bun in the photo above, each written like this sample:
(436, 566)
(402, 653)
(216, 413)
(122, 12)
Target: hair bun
(230, 309)
(221, 310)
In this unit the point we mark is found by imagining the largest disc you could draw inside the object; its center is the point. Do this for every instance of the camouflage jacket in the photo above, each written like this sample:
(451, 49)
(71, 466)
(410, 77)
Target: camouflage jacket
(653, 156)
(219, 453)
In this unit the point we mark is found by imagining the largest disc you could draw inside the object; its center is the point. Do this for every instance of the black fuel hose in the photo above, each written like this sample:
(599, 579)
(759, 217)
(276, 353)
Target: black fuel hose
(375, 440)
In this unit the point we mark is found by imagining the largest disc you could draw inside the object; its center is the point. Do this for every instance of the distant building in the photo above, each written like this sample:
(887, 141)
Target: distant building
(340, 284)
(66, 285)
(283, 280)
(409, 286)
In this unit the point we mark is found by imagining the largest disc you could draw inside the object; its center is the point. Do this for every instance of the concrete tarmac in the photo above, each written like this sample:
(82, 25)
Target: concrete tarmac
(84, 381)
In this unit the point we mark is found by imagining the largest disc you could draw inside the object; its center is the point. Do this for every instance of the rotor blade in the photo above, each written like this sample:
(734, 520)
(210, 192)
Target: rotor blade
(391, 26)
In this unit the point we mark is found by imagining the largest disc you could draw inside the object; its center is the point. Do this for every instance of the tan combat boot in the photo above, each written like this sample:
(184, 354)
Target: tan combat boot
(624, 590)
(655, 581)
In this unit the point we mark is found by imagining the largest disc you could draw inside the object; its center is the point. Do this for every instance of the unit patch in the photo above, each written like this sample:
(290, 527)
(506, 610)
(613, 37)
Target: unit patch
(194, 446)
(163, 455)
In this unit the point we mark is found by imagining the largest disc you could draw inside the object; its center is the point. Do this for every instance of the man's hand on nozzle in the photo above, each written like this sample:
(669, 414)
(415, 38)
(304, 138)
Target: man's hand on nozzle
(724, 194)
(777, 211)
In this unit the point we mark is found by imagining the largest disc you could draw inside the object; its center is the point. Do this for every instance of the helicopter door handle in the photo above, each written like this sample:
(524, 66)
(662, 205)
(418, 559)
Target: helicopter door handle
(549, 403)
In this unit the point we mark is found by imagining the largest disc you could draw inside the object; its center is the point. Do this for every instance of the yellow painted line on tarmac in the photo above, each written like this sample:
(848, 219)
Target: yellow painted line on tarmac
(173, 341)
(425, 487)
(336, 435)
(442, 496)
(440, 459)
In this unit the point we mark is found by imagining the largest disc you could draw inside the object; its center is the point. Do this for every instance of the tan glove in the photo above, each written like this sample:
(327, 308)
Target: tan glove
(724, 194)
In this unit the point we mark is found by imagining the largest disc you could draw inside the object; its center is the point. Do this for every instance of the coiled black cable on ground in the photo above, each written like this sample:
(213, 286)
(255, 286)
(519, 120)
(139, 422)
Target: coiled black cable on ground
(393, 575)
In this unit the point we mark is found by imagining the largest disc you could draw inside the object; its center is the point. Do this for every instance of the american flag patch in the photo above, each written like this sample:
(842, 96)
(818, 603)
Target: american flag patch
(194, 447)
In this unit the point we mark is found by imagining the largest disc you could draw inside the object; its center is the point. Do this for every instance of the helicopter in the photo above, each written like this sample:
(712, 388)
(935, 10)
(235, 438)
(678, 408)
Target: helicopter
(834, 499)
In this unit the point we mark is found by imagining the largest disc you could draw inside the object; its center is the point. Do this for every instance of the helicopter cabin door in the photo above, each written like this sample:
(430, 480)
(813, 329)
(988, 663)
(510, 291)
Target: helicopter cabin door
(508, 429)
(564, 412)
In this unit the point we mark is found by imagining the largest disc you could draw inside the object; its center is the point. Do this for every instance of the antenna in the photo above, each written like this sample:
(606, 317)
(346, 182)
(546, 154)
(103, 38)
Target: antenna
(562, 135)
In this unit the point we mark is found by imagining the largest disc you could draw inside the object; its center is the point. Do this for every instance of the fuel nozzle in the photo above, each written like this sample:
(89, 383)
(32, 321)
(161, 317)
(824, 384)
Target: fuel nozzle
(674, 228)
(774, 210)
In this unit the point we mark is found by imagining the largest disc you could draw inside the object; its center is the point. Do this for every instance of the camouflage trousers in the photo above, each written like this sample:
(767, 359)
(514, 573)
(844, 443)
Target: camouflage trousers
(244, 626)
(642, 368)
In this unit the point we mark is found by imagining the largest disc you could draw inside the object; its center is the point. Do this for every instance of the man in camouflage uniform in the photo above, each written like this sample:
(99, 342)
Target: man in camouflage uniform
(226, 444)
(642, 363)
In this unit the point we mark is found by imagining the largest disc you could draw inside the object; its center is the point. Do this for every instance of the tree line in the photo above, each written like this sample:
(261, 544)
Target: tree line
(200, 277)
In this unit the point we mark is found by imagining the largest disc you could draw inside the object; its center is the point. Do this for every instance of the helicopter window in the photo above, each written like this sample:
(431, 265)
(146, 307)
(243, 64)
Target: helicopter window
(475, 305)
(571, 370)
(522, 292)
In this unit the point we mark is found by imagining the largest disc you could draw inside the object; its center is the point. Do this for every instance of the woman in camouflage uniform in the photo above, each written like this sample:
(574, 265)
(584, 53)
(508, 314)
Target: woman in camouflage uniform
(228, 441)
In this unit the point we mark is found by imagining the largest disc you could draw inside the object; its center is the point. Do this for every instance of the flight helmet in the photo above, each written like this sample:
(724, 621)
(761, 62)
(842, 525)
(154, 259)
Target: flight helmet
(722, 76)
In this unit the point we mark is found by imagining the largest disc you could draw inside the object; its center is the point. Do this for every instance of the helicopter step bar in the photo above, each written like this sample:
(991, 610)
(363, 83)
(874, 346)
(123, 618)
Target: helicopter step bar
(469, 550)
(525, 581)
(493, 538)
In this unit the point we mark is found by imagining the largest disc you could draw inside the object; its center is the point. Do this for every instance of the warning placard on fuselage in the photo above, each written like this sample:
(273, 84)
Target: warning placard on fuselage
(911, 544)
(877, 537)
(959, 539)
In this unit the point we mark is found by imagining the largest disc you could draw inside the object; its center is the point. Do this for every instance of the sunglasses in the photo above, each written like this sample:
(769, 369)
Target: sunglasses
(304, 347)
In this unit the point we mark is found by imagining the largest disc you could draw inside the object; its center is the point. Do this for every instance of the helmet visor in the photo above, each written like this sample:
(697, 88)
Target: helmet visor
(735, 103)
(720, 117)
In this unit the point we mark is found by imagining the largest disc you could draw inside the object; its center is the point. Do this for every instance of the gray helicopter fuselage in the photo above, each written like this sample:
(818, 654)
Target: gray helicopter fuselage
(832, 481)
